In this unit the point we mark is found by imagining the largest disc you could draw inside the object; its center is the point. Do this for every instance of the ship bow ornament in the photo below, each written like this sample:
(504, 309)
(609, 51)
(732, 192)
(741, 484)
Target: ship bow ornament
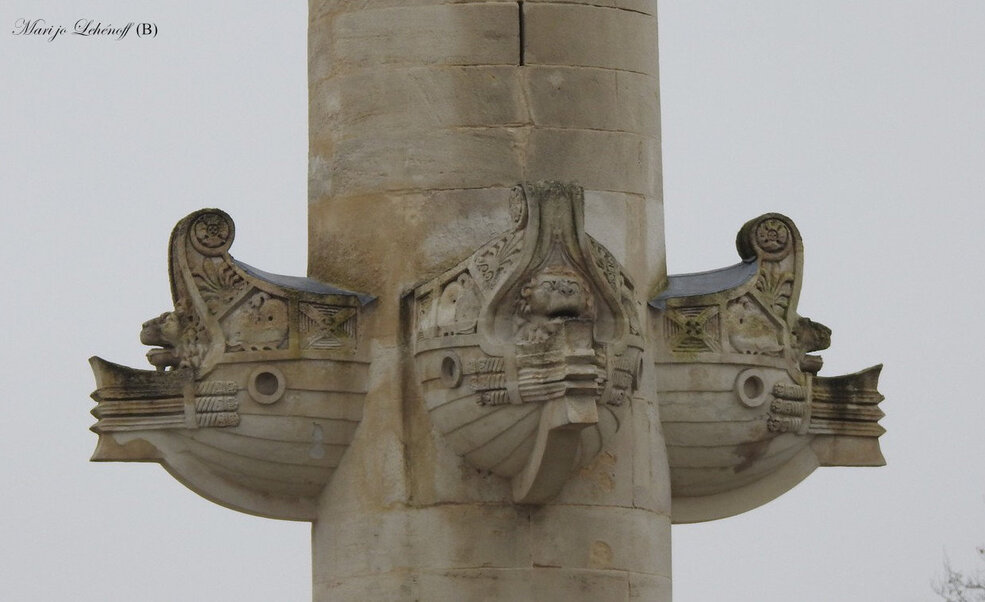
(526, 353)
(744, 412)
(527, 350)
(258, 380)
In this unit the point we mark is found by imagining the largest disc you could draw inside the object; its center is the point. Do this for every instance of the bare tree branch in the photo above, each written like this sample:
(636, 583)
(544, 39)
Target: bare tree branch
(955, 586)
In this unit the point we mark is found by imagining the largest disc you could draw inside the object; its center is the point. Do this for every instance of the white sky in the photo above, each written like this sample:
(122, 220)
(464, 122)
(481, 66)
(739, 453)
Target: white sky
(863, 121)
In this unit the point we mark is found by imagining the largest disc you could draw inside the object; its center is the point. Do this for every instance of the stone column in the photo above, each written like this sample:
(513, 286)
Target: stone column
(480, 421)
(423, 116)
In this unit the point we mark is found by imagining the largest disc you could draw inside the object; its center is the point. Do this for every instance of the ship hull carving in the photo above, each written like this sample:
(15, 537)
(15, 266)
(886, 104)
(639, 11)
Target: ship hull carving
(258, 380)
(744, 412)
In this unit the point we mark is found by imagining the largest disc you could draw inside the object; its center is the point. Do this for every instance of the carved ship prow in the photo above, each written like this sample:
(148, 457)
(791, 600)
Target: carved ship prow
(528, 351)
(258, 383)
(744, 412)
(529, 355)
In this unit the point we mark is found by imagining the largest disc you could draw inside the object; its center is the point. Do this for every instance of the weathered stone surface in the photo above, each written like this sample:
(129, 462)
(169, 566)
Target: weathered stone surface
(530, 402)
(232, 407)
(609, 216)
(482, 584)
(741, 402)
(649, 587)
(320, 8)
(620, 39)
(598, 160)
(648, 7)
(447, 34)
(414, 123)
(569, 97)
(453, 535)
(606, 538)
(528, 350)
(438, 159)
(374, 104)
(321, 48)
(447, 222)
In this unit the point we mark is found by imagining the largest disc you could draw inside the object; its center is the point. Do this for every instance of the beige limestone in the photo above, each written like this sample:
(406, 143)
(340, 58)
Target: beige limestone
(620, 39)
(519, 423)
(378, 101)
(410, 98)
(602, 160)
(647, 7)
(520, 402)
(449, 34)
(569, 97)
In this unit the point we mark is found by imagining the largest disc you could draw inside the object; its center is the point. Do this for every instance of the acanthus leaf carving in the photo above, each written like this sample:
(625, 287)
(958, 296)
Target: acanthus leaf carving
(218, 283)
(496, 259)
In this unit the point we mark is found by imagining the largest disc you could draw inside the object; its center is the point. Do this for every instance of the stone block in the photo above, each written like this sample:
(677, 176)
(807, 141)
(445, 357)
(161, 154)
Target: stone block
(590, 36)
(484, 584)
(318, 8)
(639, 102)
(591, 98)
(429, 231)
(656, 252)
(447, 34)
(321, 56)
(606, 538)
(630, 226)
(431, 538)
(598, 160)
(541, 584)
(647, 588)
(651, 479)
(607, 216)
(381, 101)
(438, 159)
(648, 7)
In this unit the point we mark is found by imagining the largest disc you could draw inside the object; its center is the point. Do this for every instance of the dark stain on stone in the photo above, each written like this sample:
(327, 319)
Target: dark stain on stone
(750, 452)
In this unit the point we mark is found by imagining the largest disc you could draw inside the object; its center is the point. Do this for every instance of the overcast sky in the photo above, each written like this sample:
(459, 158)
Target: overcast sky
(864, 121)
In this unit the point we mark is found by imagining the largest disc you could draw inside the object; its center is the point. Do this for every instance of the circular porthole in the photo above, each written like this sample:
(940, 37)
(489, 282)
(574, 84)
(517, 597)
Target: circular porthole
(266, 385)
(751, 387)
(451, 371)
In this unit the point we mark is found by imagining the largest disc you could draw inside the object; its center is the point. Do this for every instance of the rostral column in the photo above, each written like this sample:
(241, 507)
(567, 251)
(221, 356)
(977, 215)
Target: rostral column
(423, 117)
(487, 387)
